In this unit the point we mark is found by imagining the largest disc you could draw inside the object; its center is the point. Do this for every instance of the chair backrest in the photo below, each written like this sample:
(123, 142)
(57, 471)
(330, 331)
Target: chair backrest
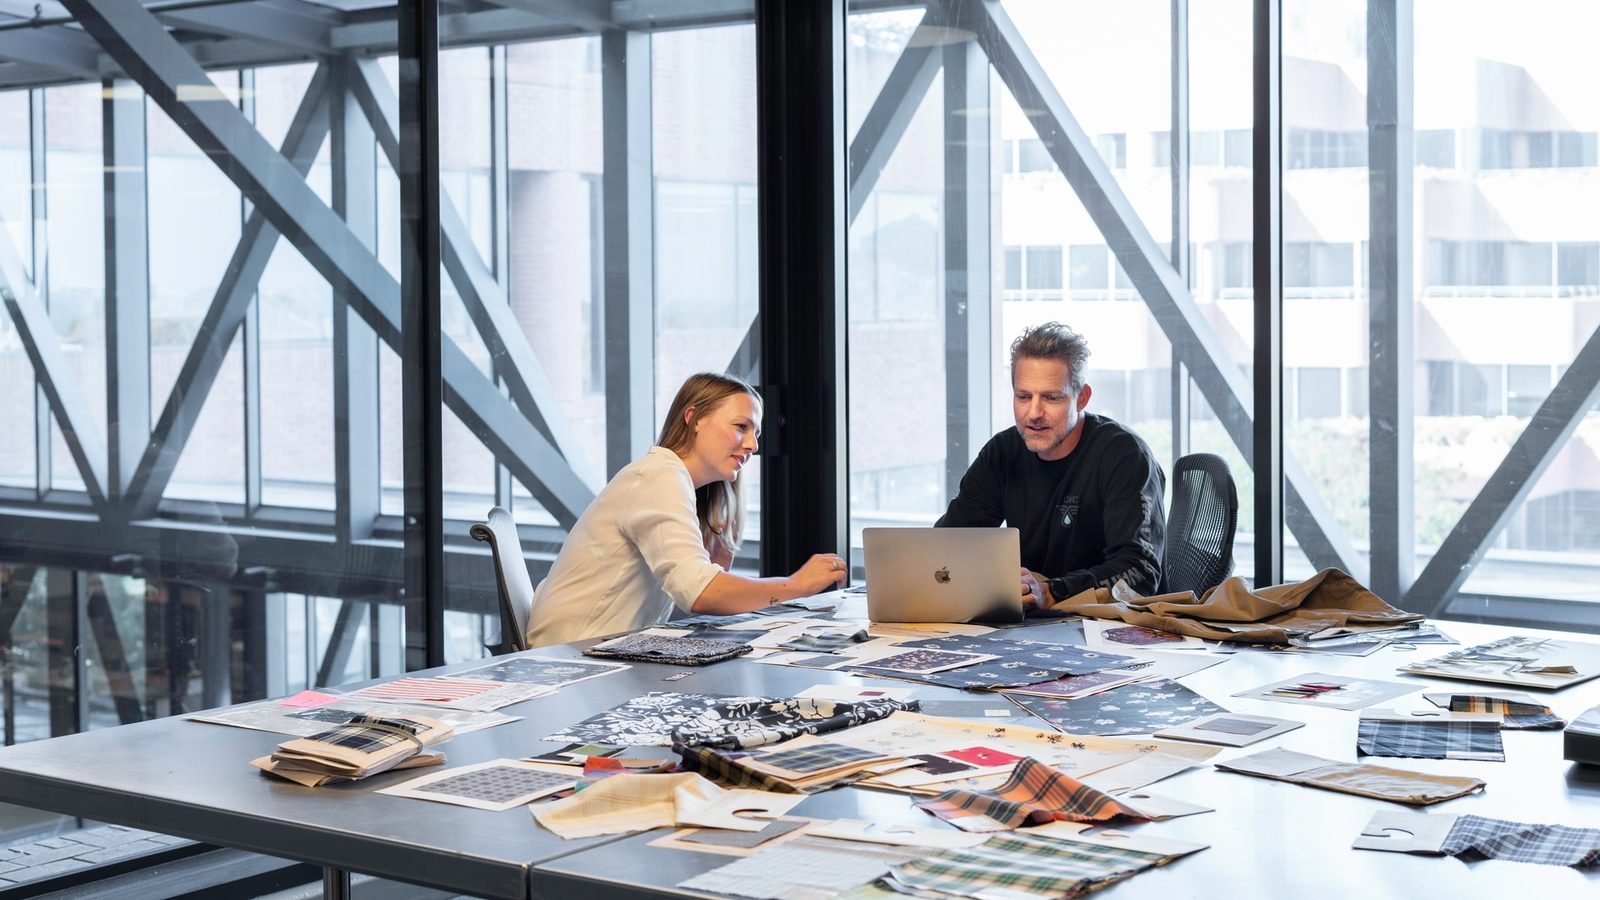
(1204, 513)
(516, 588)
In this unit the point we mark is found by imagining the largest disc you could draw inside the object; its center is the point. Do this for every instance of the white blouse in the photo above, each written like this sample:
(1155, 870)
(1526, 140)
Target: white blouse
(633, 553)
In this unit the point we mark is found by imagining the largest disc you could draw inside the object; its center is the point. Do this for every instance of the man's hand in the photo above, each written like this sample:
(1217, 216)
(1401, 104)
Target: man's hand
(1032, 593)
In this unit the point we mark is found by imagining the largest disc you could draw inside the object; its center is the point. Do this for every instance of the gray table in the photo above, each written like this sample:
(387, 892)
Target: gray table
(193, 780)
(1268, 839)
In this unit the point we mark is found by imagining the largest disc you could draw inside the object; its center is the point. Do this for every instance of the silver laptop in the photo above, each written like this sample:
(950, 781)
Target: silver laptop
(943, 574)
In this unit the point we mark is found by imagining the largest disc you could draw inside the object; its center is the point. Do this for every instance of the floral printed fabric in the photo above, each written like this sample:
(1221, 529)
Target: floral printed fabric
(663, 718)
(677, 651)
(1142, 708)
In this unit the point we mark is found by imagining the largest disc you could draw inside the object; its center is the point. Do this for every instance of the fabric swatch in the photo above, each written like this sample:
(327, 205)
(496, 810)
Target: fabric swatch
(1513, 714)
(816, 757)
(1430, 739)
(1140, 708)
(1361, 779)
(662, 718)
(1016, 663)
(1035, 793)
(806, 868)
(1477, 837)
(627, 803)
(676, 651)
(1023, 863)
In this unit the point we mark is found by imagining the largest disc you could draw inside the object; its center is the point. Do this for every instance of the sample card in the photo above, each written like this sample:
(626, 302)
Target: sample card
(1523, 661)
(734, 843)
(496, 785)
(924, 662)
(1330, 691)
(577, 754)
(549, 671)
(982, 757)
(461, 693)
(1131, 709)
(1114, 634)
(273, 715)
(1230, 729)
(1074, 686)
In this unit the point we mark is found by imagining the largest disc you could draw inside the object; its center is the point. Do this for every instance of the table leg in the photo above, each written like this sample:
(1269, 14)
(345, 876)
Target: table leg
(335, 884)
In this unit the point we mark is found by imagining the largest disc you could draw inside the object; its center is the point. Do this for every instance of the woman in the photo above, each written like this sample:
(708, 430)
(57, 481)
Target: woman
(664, 530)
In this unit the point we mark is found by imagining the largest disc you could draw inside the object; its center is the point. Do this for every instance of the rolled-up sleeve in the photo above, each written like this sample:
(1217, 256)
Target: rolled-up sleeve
(660, 520)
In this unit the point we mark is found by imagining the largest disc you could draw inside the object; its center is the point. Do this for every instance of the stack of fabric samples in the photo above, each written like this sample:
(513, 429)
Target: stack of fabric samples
(365, 745)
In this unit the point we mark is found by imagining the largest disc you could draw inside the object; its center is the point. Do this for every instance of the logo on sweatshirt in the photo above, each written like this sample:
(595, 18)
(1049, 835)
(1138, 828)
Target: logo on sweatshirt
(1068, 510)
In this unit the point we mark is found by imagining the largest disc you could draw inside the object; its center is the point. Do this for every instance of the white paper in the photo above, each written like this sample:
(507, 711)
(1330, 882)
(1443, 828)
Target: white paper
(1356, 693)
(896, 834)
(269, 715)
(806, 868)
(735, 810)
(1406, 832)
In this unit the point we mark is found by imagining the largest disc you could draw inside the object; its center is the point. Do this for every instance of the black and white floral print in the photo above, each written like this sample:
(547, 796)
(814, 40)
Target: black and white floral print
(1019, 662)
(1131, 709)
(662, 718)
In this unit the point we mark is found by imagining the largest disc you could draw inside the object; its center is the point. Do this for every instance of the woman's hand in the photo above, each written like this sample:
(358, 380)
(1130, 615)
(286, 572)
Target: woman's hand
(820, 572)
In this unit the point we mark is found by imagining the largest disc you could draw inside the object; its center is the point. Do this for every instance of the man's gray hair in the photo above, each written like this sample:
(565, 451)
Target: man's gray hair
(1053, 340)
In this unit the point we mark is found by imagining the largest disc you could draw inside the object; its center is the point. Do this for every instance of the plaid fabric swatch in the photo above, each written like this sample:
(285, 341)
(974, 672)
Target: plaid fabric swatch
(1431, 739)
(816, 758)
(1035, 793)
(1477, 837)
(676, 651)
(1020, 862)
(369, 733)
(1512, 713)
(727, 769)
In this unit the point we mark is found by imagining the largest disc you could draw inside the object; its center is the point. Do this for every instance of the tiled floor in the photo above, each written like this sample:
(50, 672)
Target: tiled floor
(63, 854)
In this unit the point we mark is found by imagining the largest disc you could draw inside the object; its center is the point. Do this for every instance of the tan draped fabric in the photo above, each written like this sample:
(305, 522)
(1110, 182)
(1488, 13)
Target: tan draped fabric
(1231, 611)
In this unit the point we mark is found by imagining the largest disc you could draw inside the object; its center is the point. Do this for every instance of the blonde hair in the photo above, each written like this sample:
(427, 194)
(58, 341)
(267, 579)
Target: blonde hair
(720, 504)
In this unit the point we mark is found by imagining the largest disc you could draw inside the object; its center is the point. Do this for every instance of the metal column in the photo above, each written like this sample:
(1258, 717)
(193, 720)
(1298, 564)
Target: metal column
(1267, 201)
(1390, 304)
(800, 141)
(969, 341)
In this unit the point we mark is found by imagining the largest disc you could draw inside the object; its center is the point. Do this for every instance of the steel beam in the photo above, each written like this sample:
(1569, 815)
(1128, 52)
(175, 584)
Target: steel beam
(233, 300)
(1573, 396)
(590, 15)
(39, 268)
(1390, 305)
(66, 398)
(355, 346)
(127, 271)
(894, 108)
(968, 338)
(628, 218)
(336, 656)
(250, 329)
(1163, 289)
(1266, 192)
(65, 665)
(56, 47)
(301, 27)
(480, 291)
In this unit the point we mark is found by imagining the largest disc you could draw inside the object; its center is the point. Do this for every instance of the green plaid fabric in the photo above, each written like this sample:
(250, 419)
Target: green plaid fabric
(1019, 862)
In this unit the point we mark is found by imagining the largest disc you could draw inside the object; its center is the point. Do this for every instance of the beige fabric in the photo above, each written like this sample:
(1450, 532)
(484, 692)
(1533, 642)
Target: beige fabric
(624, 803)
(1362, 779)
(1231, 611)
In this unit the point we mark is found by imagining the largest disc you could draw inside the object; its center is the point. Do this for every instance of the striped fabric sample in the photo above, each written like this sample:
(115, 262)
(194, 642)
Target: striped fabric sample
(1431, 739)
(1477, 837)
(729, 768)
(1035, 793)
(1021, 863)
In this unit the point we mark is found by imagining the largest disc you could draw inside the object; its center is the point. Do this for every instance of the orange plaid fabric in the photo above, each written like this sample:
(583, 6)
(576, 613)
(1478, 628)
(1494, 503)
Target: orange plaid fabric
(1034, 794)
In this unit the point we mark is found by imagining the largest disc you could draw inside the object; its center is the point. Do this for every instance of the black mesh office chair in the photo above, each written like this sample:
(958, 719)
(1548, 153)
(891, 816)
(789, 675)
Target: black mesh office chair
(1205, 511)
(511, 571)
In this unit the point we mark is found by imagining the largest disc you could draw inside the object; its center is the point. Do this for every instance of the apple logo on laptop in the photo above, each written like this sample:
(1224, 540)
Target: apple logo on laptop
(942, 575)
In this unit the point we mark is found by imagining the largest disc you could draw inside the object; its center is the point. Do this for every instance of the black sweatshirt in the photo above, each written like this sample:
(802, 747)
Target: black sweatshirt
(1093, 518)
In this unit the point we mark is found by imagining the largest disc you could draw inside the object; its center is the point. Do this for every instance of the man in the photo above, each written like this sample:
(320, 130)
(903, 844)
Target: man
(1085, 492)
